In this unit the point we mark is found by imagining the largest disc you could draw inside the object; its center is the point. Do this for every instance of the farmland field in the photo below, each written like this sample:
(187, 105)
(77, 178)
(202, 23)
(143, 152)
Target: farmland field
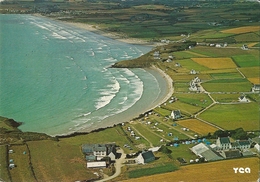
(242, 29)
(229, 75)
(189, 64)
(250, 72)
(199, 100)
(218, 52)
(228, 85)
(255, 80)
(197, 126)
(212, 171)
(225, 98)
(22, 171)
(248, 37)
(231, 116)
(4, 163)
(186, 108)
(247, 60)
(65, 164)
(215, 63)
(187, 54)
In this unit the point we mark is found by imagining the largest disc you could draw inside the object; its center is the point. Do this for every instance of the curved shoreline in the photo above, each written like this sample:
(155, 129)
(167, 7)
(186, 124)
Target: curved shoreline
(123, 117)
(164, 93)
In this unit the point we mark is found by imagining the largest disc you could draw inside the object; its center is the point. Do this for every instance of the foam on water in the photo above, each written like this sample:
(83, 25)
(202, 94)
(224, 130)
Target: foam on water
(67, 84)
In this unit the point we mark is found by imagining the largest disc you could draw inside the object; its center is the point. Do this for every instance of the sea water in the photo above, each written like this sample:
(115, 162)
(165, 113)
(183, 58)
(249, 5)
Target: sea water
(56, 79)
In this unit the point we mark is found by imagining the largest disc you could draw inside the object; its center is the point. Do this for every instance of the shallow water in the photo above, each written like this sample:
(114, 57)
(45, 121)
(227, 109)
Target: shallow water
(56, 79)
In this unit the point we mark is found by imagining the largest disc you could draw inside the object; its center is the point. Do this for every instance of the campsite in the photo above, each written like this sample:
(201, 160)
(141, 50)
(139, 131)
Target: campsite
(209, 48)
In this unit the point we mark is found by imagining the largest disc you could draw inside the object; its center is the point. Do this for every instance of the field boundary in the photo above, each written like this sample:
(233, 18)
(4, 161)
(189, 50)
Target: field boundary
(30, 162)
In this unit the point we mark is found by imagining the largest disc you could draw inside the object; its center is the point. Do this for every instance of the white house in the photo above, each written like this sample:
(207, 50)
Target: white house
(244, 144)
(243, 99)
(193, 72)
(244, 47)
(256, 88)
(95, 152)
(176, 114)
(145, 157)
(223, 143)
(257, 147)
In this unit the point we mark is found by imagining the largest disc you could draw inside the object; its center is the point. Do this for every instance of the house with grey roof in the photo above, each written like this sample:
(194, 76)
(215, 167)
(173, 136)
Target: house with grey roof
(176, 114)
(223, 143)
(244, 144)
(145, 157)
(256, 88)
(96, 152)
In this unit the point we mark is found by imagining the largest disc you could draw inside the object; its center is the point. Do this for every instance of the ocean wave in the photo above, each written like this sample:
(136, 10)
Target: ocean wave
(107, 94)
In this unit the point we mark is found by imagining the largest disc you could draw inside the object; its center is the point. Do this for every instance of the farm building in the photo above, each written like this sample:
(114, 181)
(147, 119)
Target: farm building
(202, 150)
(99, 164)
(229, 154)
(145, 157)
(95, 152)
(256, 88)
(176, 114)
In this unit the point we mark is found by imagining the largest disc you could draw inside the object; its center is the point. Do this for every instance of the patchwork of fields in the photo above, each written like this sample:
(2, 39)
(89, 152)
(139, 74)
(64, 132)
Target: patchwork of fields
(226, 73)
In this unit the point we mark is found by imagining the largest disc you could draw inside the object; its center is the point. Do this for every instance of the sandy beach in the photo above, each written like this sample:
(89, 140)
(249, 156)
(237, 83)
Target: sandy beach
(119, 37)
(123, 117)
(136, 110)
(165, 80)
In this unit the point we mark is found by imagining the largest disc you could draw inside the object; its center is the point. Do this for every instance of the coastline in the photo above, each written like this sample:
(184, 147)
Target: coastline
(122, 117)
(166, 86)
(96, 30)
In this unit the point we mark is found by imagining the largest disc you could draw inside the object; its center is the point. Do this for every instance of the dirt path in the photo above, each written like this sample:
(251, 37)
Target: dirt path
(118, 164)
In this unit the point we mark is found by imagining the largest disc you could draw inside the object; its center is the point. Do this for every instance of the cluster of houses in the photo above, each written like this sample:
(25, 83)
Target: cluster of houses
(194, 72)
(219, 45)
(223, 149)
(194, 84)
(99, 155)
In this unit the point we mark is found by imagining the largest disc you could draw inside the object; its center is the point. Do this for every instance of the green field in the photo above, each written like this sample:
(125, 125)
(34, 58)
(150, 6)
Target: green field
(247, 37)
(218, 52)
(225, 98)
(4, 173)
(247, 60)
(199, 100)
(250, 72)
(232, 116)
(58, 161)
(47, 159)
(228, 85)
(229, 75)
(23, 170)
(158, 169)
(189, 64)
